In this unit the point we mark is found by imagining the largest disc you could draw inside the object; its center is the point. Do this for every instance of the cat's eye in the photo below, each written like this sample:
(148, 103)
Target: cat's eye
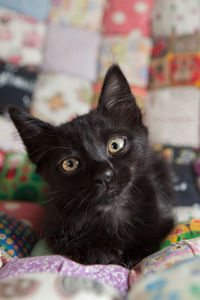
(117, 144)
(70, 164)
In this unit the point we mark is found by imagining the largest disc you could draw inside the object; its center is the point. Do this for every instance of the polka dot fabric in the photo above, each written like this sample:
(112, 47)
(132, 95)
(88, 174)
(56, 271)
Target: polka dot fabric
(31, 214)
(175, 16)
(16, 238)
(121, 17)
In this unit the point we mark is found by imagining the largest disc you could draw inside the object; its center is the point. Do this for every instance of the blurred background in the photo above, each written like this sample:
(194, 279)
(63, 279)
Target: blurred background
(54, 56)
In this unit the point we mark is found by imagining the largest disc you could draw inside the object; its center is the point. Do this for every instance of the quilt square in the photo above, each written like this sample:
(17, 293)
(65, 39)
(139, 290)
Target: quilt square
(83, 14)
(16, 86)
(21, 38)
(186, 44)
(131, 52)
(178, 17)
(37, 9)
(72, 51)
(185, 69)
(58, 97)
(122, 17)
(172, 116)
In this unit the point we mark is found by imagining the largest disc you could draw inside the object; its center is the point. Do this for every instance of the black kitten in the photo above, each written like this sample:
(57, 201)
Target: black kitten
(111, 194)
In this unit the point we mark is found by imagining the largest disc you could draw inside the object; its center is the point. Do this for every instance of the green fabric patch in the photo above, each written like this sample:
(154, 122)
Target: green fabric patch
(18, 180)
(183, 231)
(195, 290)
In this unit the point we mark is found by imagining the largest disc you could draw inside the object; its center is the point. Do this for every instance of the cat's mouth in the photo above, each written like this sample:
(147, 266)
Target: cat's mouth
(112, 192)
(107, 192)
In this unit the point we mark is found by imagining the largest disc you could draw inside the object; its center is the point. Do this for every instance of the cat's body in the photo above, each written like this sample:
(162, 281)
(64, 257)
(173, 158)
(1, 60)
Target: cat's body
(110, 193)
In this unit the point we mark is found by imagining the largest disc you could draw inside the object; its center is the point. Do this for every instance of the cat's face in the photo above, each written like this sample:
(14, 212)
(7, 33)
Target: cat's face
(95, 156)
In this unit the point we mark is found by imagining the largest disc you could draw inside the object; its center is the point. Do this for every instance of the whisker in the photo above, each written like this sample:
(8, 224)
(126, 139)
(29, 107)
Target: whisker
(137, 188)
(54, 192)
(47, 201)
(67, 205)
(84, 199)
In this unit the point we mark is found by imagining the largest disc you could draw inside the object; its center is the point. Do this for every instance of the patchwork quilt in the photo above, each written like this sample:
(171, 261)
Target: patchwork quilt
(24, 276)
(53, 57)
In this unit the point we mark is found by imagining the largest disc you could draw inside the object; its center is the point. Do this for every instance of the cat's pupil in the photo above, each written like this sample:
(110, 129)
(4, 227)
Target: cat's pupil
(114, 145)
(70, 163)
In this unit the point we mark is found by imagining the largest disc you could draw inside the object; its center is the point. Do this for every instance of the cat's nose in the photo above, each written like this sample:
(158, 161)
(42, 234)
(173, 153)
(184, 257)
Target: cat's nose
(108, 175)
(104, 177)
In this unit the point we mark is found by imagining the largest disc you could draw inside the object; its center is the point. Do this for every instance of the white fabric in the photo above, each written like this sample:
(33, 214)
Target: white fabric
(175, 16)
(173, 116)
(9, 137)
(58, 97)
(21, 38)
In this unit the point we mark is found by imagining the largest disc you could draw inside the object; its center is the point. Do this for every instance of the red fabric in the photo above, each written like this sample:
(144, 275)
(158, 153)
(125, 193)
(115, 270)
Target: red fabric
(185, 69)
(31, 213)
(2, 159)
(122, 17)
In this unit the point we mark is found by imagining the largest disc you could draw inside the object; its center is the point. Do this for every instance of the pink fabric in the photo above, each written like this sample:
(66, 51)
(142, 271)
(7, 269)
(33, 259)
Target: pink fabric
(113, 275)
(124, 16)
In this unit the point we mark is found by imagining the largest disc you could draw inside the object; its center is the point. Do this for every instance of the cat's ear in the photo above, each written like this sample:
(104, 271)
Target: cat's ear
(116, 97)
(34, 133)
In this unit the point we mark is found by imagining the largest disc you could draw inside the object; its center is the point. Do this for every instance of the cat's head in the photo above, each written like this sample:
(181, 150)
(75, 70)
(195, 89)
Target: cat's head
(97, 155)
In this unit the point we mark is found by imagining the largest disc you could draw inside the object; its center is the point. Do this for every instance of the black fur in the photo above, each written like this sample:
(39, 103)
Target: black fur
(90, 219)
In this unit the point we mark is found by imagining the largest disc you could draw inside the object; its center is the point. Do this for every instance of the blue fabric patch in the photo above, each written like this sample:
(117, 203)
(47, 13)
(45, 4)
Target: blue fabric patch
(35, 8)
(16, 238)
(157, 284)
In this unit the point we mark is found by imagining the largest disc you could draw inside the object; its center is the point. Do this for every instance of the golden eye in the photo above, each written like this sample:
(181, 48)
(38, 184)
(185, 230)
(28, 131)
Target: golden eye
(70, 164)
(115, 145)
